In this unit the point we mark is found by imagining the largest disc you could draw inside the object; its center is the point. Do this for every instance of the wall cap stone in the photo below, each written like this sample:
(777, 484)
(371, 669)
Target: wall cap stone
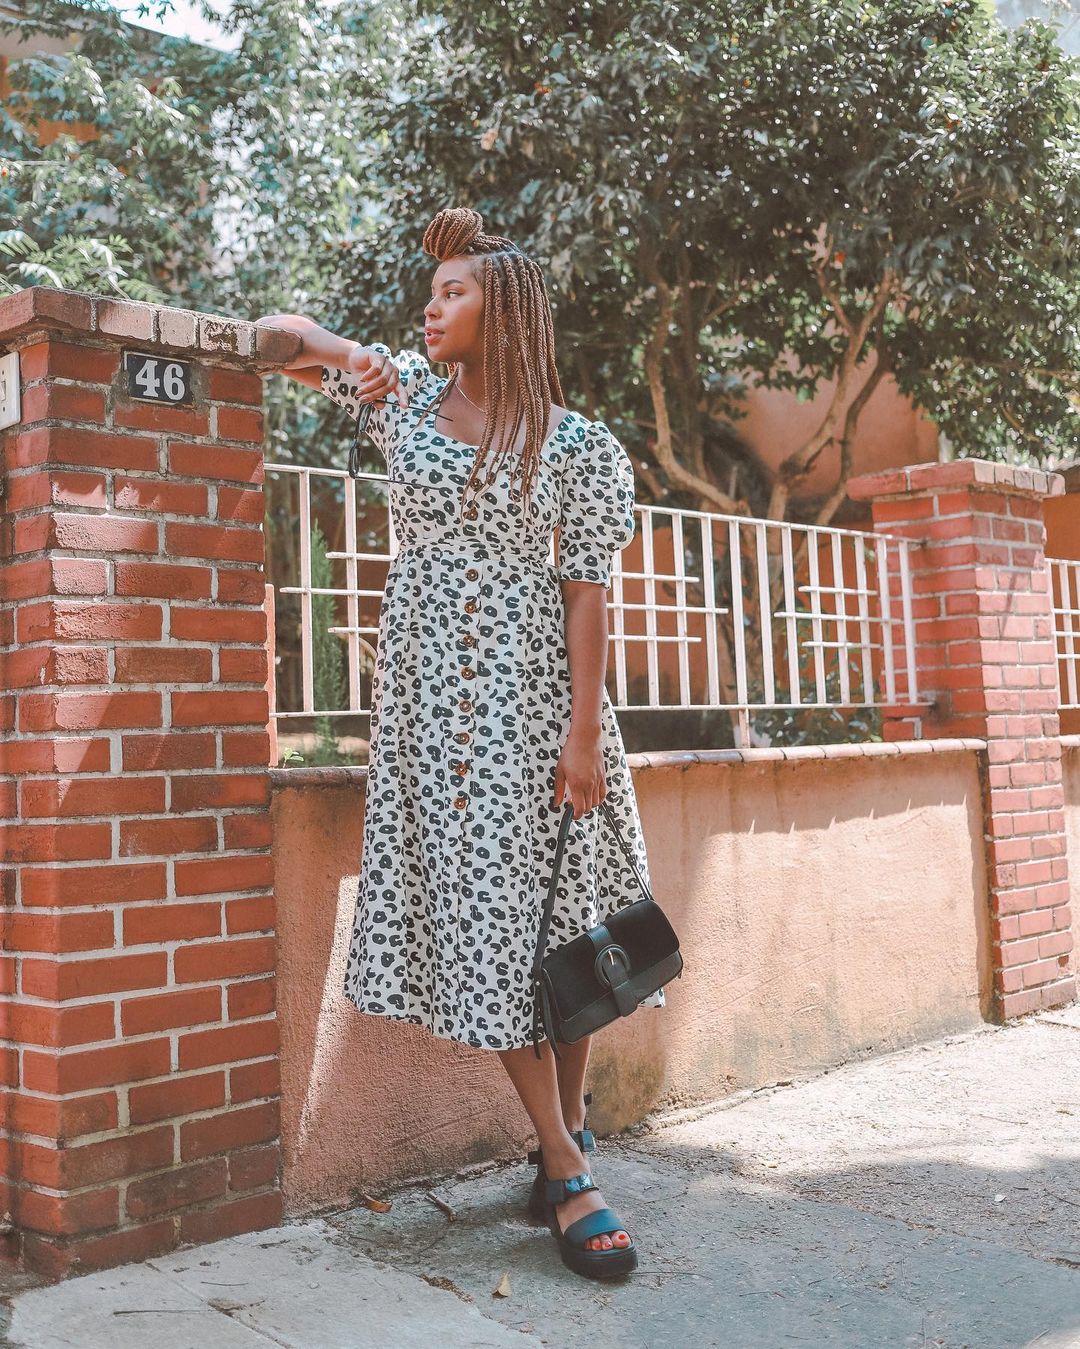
(982, 474)
(45, 309)
(282, 779)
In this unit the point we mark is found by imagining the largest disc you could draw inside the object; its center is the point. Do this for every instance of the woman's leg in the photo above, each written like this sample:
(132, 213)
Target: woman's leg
(573, 1060)
(537, 1083)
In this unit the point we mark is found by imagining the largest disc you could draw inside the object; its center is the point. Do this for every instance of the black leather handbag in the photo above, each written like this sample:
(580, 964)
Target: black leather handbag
(606, 972)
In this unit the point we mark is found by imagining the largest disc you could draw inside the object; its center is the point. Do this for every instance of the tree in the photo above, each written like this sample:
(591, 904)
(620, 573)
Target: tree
(771, 194)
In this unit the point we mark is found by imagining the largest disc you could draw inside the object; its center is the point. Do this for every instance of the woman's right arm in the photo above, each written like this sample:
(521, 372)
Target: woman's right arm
(320, 347)
(373, 374)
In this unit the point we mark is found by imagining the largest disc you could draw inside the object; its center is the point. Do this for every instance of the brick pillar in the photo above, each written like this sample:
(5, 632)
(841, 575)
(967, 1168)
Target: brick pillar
(139, 1075)
(985, 656)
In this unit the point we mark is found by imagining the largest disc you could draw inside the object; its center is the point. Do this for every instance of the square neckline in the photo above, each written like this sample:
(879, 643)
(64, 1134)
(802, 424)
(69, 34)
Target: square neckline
(466, 446)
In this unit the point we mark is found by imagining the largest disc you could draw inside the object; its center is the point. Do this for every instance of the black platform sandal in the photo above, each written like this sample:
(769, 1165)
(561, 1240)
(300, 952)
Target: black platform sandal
(602, 1264)
(585, 1141)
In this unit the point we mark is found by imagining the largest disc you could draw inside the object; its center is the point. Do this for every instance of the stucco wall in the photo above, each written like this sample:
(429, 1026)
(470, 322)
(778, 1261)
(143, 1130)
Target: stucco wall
(828, 905)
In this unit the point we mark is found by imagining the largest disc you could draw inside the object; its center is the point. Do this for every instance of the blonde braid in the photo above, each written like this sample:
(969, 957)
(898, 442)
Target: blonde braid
(519, 335)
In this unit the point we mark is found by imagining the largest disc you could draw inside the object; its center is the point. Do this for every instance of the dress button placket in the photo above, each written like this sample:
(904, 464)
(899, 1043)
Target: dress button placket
(463, 736)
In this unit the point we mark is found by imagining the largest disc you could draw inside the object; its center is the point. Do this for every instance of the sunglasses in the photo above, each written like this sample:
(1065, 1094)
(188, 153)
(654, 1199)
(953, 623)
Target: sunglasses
(362, 424)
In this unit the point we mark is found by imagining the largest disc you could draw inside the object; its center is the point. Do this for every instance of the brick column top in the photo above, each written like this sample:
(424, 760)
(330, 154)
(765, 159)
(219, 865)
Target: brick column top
(41, 309)
(979, 473)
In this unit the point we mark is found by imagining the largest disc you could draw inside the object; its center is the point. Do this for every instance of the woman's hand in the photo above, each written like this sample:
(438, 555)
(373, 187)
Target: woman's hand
(580, 772)
(380, 376)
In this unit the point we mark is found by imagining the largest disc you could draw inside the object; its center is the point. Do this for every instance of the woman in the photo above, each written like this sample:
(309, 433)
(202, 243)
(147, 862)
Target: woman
(488, 701)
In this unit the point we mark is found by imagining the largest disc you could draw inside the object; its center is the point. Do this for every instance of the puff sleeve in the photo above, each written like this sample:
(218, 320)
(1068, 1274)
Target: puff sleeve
(597, 511)
(342, 387)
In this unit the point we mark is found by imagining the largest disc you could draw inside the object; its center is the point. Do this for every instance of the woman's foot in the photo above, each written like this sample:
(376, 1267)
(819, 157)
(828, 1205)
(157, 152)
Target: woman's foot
(561, 1166)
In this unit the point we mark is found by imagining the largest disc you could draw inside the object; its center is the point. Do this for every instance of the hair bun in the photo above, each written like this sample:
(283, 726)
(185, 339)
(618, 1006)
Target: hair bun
(458, 230)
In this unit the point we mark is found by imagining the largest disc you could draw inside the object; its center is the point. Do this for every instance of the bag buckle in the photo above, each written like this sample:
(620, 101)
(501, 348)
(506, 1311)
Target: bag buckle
(612, 965)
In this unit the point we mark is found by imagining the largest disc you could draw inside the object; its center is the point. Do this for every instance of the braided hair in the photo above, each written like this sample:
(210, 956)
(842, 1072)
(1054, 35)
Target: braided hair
(519, 342)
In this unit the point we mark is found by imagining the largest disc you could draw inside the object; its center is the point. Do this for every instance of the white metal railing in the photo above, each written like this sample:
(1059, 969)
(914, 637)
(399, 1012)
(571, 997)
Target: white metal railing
(1065, 601)
(757, 614)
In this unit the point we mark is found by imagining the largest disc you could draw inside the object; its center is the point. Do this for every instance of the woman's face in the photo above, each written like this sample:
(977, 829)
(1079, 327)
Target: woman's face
(453, 319)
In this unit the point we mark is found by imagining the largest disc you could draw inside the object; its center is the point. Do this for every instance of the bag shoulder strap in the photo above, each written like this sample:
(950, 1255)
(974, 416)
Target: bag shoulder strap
(549, 899)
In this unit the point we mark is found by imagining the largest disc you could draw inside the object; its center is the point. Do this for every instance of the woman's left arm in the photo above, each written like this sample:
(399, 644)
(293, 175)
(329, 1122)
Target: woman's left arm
(580, 769)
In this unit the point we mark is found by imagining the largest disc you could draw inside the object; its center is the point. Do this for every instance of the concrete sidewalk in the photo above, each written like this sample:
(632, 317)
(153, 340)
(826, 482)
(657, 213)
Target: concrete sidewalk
(930, 1197)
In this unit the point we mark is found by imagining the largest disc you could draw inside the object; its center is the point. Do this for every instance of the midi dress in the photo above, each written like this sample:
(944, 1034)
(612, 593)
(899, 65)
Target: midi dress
(470, 707)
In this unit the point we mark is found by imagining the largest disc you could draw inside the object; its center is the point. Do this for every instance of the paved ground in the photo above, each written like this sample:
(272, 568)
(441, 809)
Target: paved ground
(926, 1198)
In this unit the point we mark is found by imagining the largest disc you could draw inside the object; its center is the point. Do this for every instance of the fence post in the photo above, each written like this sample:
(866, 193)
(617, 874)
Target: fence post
(986, 659)
(138, 1035)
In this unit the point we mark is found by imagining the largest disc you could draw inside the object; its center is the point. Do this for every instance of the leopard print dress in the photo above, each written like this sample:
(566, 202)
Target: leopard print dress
(470, 707)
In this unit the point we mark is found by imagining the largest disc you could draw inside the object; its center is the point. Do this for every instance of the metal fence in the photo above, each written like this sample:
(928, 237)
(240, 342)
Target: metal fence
(707, 610)
(1065, 599)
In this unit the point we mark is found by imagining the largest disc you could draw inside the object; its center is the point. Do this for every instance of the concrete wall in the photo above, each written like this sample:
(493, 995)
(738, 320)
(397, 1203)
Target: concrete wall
(830, 903)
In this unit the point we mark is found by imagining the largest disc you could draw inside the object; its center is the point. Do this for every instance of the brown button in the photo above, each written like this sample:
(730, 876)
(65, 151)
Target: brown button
(471, 606)
(461, 802)
(461, 768)
(466, 673)
(465, 705)
(463, 737)
(468, 640)
(471, 513)
(471, 574)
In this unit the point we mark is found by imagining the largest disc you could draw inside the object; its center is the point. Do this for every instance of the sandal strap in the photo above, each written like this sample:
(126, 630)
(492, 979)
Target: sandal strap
(558, 1191)
(594, 1224)
(584, 1138)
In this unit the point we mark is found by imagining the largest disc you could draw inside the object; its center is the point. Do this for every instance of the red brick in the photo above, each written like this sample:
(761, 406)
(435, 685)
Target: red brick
(229, 1129)
(214, 541)
(251, 1081)
(246, 831)
(88, 978)
(111, 1066)
(88, 711)
(162, 417)
(93, 796)
(163, 580)
(77, 665)
(240, 506)
(216, 462)
(111, 884)
(56, 1027)
(219, 625)
(242, 665)
(251, 997)
(250, 1214)
(58, 932)
(160, 496)
(171, 922)
(223, 707)
(98, 533)
(210, 792)
(229, 1044)
(213, 875)
(168, 836)
(254, 914)
(177, 1189)
(67, 1214)
(163, 665)
(64, 842)
(234, 386)
(82, 1256)
(224, 959)
(254, 1168)
(69, 621)
(96, 449)
(176, 1097)
(176, 750)
(166, 1011)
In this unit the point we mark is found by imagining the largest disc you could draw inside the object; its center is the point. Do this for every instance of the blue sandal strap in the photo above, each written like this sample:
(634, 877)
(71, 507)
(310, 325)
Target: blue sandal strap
(557, 1191)
(595, 1225)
